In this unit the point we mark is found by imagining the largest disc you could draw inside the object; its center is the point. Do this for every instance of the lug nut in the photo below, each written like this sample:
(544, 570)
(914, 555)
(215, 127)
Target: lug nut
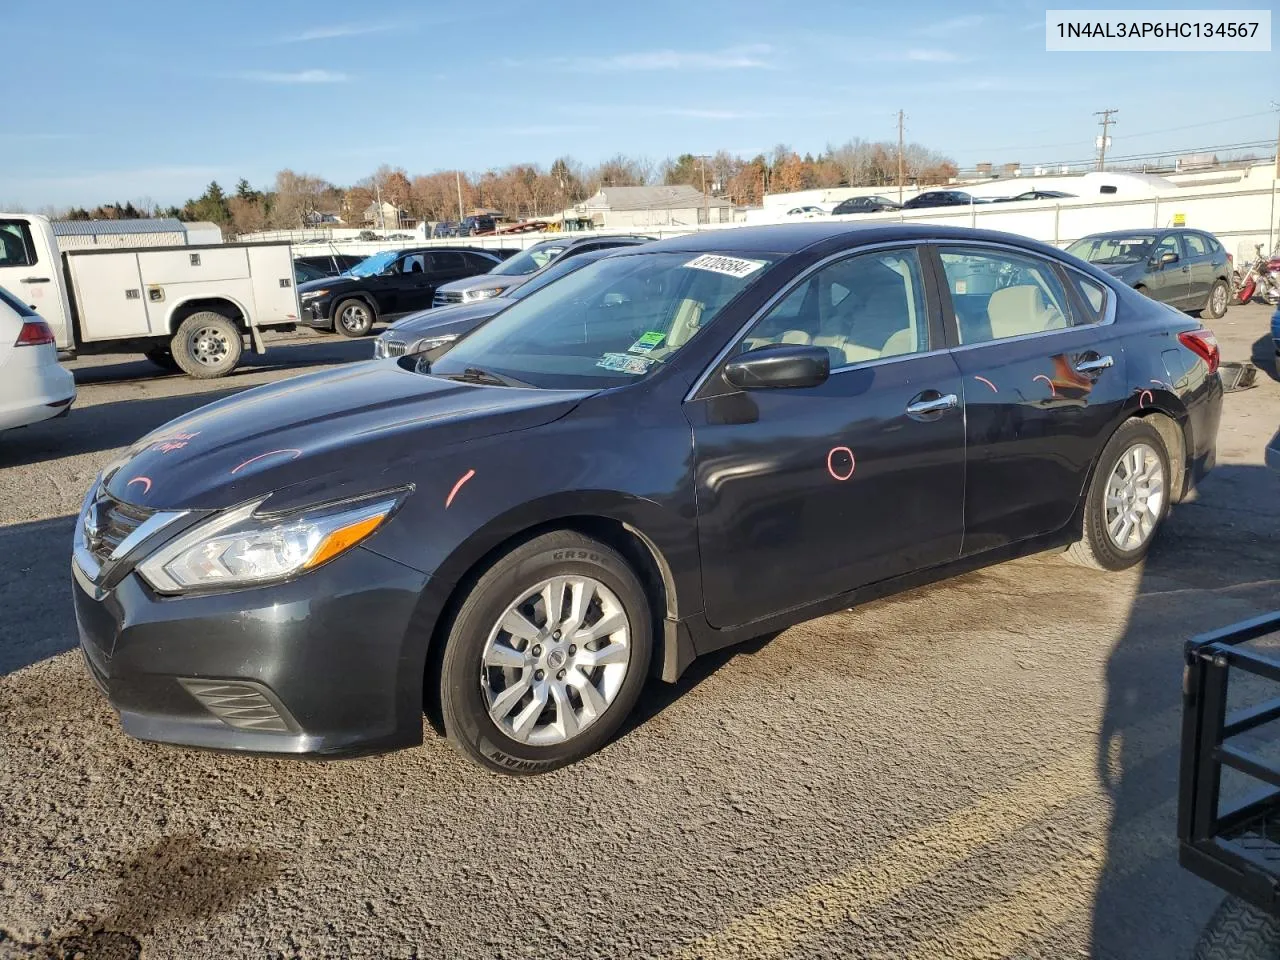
(560, 675)
(538, 674)
(572, 649)
(556, 635)
(536, 651)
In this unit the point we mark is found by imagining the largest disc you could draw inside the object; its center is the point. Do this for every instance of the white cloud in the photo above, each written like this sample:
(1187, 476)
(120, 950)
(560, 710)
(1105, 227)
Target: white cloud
(921, 55)
(731, 58)
(334, 32)
(944, 27)
(297, 76)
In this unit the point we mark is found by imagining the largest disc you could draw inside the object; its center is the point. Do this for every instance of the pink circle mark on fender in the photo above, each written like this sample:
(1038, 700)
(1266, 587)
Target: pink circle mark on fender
(994, 388)
(840, 453)
(458, 486)
(270, 453)
(1144, 398)
(144, 480)
(1053, 391)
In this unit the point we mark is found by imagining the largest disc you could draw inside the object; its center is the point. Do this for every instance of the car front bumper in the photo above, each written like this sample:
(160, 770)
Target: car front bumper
(315, 313)
(330, 663)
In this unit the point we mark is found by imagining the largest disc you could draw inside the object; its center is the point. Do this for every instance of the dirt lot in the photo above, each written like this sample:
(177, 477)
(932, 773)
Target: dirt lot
(984, 768)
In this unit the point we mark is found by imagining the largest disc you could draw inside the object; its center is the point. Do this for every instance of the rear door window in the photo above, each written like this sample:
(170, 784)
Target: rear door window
(1196, 247)
(446, 263)
(16, 246)
(997, 294)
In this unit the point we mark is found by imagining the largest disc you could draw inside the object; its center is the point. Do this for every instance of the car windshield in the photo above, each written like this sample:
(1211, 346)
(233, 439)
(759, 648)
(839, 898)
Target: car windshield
(610, 323)
(554, 271)
(372, 266)
(1113, 250)
(527, 261)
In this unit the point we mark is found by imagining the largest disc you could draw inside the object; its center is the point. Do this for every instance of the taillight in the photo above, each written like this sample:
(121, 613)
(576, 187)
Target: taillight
(1203, 344)
(34, 333)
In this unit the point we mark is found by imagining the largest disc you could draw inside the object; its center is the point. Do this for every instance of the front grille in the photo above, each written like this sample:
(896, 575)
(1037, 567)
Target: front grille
(115, 521)
(239, 704)
(445, 297)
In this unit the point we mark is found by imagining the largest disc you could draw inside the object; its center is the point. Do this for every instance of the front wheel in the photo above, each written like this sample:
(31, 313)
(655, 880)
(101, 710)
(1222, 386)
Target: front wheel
(353, 318)
(1216, 306)
(1128, 499)
(1237, 931)
(547, 655)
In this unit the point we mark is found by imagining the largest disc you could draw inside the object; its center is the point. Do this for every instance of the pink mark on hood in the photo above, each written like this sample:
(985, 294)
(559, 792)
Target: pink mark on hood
(270, 453)
(145, 480)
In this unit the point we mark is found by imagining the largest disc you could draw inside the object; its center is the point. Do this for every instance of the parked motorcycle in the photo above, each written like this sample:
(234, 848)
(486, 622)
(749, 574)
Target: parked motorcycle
(1261, 279)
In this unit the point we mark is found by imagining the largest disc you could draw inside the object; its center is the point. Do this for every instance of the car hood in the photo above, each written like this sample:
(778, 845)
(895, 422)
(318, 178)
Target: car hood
(328, 283)
(483, 280)
(456, 318)
(336, 433)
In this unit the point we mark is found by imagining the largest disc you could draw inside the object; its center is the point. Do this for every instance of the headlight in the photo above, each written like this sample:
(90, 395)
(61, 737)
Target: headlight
(430, 343)
(482, 293)
(238, 549)
(313, 294)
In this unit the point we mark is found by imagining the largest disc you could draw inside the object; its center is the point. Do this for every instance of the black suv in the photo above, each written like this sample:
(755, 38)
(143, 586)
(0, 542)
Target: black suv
(941, 198)
(387, 284)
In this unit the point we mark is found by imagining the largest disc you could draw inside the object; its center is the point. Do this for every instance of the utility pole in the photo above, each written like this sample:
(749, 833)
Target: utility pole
(382, 220)
(706, 209)
(1276, 105)
(901, 117)
(1106, 122)
(457, 181)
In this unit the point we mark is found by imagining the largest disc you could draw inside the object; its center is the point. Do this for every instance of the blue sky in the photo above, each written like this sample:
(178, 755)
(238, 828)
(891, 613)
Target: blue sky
(154, 99)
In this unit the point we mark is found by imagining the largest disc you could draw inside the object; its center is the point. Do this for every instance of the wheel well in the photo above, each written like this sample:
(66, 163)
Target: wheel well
(226, 308)
(1175, 443)
(637, 549)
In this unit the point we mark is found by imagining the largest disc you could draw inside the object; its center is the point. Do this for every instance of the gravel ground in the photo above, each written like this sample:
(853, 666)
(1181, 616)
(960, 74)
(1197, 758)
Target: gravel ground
(982, 768)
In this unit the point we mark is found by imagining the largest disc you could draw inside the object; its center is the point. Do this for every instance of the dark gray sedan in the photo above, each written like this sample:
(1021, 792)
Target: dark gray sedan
(1187, 269)
(429, 329)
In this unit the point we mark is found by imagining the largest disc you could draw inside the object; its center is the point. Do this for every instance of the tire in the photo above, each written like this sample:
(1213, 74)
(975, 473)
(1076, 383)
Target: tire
(470, 683)
(162, 358)
(1098, 547)
(207, 345)
(1238, 931)
(353, 318)
(1216, 306)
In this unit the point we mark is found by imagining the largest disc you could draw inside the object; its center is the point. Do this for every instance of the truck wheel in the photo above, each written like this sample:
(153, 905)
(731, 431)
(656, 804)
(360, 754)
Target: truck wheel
(207, 345)
(162, 358)
(1237, 931)
(353, 318)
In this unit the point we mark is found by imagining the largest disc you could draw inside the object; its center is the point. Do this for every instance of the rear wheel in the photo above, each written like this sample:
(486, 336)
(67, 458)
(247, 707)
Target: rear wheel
(353, 318)
(547, 655)
(207, 345)
(1238, 931)
(1216, 306)
(1128, 499)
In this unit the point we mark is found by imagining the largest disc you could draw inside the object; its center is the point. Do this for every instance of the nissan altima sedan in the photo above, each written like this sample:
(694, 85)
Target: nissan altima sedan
(670, 450)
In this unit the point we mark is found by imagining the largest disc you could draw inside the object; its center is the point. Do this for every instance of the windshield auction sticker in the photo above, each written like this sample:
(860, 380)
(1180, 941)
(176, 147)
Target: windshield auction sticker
(625, 363)
(729, 266)
(1158, 30)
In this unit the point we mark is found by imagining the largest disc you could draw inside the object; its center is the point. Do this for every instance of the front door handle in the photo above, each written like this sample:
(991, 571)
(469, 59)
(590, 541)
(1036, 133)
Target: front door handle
(35, 279)
(1094, 365)
(931, 402)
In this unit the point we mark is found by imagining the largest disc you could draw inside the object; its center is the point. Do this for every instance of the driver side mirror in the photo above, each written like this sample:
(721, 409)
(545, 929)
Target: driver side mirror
(1167, 258)
(785, 365)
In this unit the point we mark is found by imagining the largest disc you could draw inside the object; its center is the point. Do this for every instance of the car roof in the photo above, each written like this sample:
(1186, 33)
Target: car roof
(788, 238)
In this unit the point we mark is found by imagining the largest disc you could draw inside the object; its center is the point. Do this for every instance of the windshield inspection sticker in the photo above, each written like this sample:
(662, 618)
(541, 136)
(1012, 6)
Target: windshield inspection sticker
(648, 342)
(729, 266)
(623, 363)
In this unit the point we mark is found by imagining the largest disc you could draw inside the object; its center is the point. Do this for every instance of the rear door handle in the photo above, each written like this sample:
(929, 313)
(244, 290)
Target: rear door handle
(1095, 365)
(35, 279)
(934, 404)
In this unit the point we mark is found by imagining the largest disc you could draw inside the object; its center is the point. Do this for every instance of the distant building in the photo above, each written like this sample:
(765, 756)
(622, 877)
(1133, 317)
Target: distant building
(385, 216)
(1196, 161)
(629, 208)
(151, 232)
(319, 218)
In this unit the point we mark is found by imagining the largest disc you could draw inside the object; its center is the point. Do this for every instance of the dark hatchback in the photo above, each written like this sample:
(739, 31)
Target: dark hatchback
(668, 451)
(387, 284)
(941, 198)
(865, 205)
(1187, 269)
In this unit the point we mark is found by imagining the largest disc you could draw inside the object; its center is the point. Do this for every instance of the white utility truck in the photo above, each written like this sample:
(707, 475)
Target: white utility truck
(188, 307)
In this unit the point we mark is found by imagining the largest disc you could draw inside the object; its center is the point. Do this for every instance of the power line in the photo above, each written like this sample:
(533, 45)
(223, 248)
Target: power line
(1102, 140)
(1131, 136)
(1152, 154)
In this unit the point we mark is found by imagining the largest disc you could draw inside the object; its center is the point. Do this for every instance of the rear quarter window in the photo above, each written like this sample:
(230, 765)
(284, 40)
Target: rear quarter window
(1093, 294)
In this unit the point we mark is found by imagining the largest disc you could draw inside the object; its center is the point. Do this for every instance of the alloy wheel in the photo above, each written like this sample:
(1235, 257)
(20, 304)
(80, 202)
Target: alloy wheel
(1135, 497)
(1219, 299)
(354, 318)
(555, 660)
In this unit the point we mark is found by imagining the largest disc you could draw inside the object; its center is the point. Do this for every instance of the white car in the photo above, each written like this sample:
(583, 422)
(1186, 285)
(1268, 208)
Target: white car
(33, 385)
(806, 213)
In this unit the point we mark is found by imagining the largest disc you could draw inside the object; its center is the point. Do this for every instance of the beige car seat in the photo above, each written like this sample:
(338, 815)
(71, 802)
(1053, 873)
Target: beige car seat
(1016, 311)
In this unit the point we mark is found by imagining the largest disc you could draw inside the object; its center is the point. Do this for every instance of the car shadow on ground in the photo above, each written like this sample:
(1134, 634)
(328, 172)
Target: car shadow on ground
(36, 619)
(1188, 585)
(103, 426)
(1264, 357)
